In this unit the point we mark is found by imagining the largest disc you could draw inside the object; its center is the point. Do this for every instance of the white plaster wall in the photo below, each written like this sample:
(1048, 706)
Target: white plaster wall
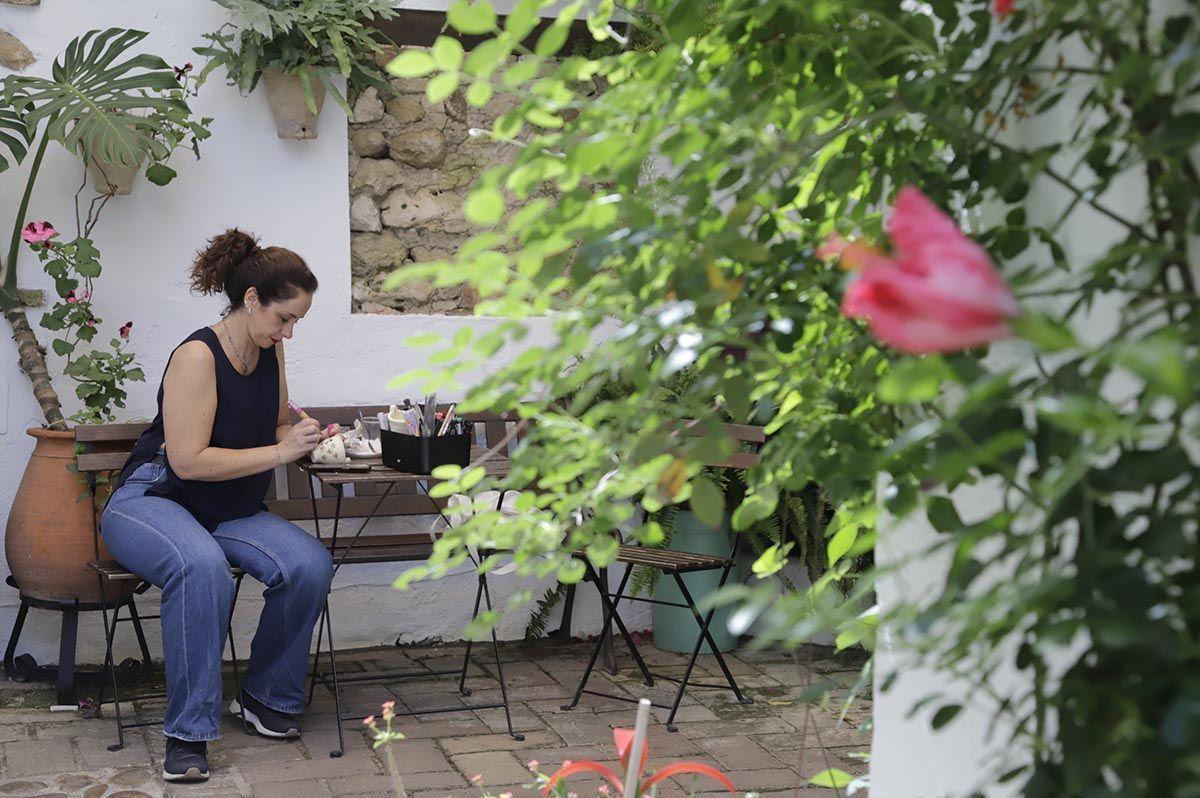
(909, 760)
(291, 193)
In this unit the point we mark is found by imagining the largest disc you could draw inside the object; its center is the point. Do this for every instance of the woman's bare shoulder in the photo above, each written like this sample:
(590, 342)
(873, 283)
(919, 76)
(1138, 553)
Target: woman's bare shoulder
(194, 359)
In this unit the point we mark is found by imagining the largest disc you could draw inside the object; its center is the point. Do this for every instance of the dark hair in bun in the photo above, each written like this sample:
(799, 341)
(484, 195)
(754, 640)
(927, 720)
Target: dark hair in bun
(233, 262)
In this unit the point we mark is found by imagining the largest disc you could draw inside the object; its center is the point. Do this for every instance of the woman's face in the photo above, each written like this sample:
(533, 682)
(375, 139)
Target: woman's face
(270, 324)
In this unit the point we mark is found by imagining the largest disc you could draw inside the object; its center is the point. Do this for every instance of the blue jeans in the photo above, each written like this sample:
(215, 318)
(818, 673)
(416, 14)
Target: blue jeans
(161, 542)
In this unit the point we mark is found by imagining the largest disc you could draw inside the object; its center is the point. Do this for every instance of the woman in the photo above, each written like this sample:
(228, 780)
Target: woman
(189, 504)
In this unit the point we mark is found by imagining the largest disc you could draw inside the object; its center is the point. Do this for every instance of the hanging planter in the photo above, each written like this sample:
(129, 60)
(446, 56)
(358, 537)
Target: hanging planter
(294, 117)
(111, 178)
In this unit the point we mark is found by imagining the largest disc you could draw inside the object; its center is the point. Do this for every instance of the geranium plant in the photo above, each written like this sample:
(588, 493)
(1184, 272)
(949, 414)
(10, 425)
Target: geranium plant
(99, 374)
(101, 102)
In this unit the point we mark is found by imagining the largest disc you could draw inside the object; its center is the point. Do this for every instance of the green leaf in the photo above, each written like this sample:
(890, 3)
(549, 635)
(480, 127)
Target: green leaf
(912, 381)
(485, 206)
(707, 502)
(833, 778)
(62, 347)
(552, 39)
(945, 714)
(160, 174)
(479, 93)
(412, 64)
(1049, 335)
(521, 72)
(447, 53)
(472, 18)
(441, 87)
(543, 118)
(1161, 362)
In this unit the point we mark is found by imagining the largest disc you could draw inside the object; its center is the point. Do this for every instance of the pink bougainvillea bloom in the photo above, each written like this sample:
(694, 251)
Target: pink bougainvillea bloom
(1002, 8)
(126, 328)
(938, 292)
(37, 232)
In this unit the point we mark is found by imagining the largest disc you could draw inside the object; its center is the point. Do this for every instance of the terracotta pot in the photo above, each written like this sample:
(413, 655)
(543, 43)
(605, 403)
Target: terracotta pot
(111, 178)
(285, 93)
(48, 540)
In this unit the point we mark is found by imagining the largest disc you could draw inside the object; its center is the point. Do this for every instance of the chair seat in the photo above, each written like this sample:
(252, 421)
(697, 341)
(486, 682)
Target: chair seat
(404, 547)
(113, 571)
(667, 560)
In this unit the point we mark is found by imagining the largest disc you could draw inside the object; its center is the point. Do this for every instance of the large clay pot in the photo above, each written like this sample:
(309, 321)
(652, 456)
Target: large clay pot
(285, 93)
(48, 540)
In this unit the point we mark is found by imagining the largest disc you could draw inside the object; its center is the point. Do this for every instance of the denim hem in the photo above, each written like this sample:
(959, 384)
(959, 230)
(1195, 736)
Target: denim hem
(193, 738)
(270, 705)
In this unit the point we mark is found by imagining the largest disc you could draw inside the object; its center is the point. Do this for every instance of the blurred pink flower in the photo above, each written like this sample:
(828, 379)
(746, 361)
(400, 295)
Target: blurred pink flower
(71, 298)
(938, 292)
(532, 764)
(389, 710)
(1002, 8)
(37, 232)
(369, 720)
(478, 777)
(91, 322)
(125, 330)
(602, 789)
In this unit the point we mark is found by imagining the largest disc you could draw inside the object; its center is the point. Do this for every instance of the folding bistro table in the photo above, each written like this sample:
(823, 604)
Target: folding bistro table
(360, 548)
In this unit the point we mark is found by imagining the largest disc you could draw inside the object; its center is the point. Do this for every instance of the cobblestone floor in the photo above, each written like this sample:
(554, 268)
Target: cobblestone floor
(770, 746)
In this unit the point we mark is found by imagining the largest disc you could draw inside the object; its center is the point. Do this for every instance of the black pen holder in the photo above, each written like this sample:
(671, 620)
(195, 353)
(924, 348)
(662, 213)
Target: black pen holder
(420, 455)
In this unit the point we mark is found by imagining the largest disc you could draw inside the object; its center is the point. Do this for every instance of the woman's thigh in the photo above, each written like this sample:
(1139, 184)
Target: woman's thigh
(157, 538)
(272, 549)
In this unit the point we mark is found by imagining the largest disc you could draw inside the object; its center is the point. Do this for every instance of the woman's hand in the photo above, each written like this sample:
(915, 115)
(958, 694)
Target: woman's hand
(300, 440)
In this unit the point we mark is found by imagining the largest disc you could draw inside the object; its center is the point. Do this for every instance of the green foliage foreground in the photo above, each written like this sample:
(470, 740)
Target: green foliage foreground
(670, 222)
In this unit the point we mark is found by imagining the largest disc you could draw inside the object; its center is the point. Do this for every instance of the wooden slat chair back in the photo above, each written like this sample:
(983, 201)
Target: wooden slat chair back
(107, 447)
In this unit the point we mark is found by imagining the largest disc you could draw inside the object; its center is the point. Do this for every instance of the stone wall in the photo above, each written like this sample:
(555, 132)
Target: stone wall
(411, 164)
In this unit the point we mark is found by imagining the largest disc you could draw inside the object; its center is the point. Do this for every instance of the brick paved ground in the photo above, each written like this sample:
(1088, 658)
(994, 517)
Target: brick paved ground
(768, 747)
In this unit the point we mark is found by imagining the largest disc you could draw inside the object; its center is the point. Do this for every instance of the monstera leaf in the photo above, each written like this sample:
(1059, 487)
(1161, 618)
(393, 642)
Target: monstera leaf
(96, 104)
(14, 138)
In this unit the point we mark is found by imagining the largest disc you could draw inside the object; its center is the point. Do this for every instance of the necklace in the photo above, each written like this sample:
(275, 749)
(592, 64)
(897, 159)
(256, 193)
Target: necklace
(245, 361)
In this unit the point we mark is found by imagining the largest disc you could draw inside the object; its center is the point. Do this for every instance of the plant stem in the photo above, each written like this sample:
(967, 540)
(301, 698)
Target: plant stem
(10, 267)
(32, 361)
(394, 772)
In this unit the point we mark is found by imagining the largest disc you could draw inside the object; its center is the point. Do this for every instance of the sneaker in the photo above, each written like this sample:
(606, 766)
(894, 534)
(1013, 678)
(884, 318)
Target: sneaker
(266, 721)
(186, 760)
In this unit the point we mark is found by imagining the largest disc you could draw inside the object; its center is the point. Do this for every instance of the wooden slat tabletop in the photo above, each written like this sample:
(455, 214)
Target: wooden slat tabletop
(495, 467)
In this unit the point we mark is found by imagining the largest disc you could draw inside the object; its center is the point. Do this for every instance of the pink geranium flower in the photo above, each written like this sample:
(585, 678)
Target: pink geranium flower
(937, 292)
(1002, 8)
(125, 330)
(71, 298)
(38, 232)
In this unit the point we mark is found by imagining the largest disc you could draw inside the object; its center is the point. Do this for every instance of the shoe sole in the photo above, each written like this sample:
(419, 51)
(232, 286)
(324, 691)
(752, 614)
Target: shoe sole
(192, 774)
(237, 709)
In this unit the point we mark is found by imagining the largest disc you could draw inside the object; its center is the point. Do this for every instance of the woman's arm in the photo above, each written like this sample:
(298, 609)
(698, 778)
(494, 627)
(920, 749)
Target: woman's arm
(284, 423)
(189, 406)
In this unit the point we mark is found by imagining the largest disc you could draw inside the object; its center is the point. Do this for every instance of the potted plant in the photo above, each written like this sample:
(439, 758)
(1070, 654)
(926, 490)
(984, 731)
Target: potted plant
(296, 47)
(121, 109)
(168, 128)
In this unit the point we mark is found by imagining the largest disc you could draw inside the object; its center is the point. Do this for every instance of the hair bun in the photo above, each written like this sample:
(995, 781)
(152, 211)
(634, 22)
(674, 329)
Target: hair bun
(216, 262)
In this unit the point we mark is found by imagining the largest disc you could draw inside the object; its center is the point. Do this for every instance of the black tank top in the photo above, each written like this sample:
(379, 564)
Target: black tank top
(247, 416)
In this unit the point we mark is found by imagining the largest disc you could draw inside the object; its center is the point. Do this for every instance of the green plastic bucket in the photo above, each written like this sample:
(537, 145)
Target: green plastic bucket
(675, 628)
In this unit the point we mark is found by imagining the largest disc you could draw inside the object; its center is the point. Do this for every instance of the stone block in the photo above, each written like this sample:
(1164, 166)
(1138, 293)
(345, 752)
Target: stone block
(14, 54)
(405, 209)
(421, 148)
(495, 767)
(369, 142)
(368, 107)
(405, 109)
(371, 253)
(364, 215)
(374, 176)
